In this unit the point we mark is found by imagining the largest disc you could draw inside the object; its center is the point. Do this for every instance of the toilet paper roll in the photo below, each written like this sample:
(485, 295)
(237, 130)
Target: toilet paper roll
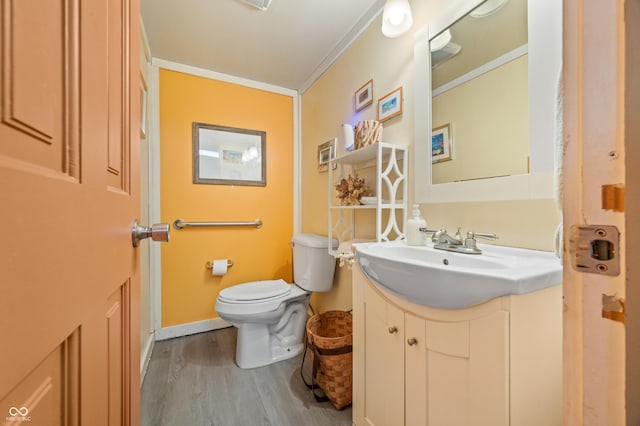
(219, 267)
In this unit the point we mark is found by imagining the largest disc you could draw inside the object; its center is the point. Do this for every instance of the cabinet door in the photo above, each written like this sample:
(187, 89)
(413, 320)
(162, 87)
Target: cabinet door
(383, 362)
(416, 371)
(489, 369)
(466, 380)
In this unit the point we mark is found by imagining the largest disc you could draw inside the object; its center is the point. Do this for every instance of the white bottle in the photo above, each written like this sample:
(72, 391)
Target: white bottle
(414, 236)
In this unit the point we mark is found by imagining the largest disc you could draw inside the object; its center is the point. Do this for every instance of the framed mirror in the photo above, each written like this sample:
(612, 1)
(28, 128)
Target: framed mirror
(228, 155)
(488, 72)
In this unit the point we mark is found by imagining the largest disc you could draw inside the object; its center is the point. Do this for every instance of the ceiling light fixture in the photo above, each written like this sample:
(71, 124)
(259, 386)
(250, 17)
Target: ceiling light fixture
(396, 18)
(259, 4)
(440, 41)
(487, 8)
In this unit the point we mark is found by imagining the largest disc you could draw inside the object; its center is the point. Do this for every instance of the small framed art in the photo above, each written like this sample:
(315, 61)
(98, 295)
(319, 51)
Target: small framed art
(390, 105)
(441, 144)
(364, 96)
(326, 153)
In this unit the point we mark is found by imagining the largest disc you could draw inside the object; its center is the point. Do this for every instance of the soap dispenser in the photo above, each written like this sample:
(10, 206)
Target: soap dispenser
(414, 236)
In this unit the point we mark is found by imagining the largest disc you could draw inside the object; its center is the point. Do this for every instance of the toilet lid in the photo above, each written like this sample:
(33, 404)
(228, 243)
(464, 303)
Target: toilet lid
(257, 290)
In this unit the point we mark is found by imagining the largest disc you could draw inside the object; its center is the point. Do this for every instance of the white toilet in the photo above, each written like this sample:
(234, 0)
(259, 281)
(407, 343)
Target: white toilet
(271, 315)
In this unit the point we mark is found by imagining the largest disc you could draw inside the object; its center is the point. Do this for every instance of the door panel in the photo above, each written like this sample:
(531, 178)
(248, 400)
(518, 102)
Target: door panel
(68, 271)
(448, 390)
(118, 55)
(39, 100)
(50, 391)
(117, 318)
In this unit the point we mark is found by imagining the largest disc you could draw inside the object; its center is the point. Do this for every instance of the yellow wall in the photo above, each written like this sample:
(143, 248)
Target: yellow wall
(188, 289)
(329, 102)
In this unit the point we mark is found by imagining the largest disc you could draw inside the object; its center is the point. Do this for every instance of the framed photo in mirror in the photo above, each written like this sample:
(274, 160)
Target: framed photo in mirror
(441, 144)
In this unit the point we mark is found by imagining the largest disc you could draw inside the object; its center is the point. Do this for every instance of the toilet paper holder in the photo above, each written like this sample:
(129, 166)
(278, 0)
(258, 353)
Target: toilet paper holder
(209, 264)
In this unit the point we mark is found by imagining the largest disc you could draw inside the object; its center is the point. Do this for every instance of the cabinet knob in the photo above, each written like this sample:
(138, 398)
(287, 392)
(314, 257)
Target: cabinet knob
(412, 341)
(393, 329)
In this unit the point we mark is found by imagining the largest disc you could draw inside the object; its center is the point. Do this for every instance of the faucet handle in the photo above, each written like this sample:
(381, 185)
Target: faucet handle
(473, 235)
(458, 234)
(427, 230)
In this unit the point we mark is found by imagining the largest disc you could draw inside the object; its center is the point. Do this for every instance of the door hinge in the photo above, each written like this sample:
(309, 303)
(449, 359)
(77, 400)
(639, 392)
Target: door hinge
(613, 308)
(613, 197)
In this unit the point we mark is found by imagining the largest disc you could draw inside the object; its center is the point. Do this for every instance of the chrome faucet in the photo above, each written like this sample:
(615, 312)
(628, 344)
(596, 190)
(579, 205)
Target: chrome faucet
(441, 237)
(443, 241)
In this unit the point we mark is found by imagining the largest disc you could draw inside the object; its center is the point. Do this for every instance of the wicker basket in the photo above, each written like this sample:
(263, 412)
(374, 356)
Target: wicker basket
(329, 334)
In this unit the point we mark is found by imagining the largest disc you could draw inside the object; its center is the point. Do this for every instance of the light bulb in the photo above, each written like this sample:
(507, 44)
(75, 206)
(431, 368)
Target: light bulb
(396, 17)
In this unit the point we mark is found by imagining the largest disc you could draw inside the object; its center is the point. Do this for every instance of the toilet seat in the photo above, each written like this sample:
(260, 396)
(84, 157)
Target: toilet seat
(256, 297)
(255, 291)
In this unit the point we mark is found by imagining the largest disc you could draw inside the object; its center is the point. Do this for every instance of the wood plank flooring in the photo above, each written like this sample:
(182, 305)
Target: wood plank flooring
(194, 381)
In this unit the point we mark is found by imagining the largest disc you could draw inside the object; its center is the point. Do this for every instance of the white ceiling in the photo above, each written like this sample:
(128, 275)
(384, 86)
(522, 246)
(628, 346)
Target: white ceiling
(289, 45)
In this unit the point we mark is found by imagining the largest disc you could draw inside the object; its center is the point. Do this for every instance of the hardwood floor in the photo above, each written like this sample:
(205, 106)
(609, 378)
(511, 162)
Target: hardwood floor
(193, 380)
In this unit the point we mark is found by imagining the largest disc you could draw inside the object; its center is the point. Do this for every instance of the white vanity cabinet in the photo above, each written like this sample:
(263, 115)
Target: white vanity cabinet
(496, 363)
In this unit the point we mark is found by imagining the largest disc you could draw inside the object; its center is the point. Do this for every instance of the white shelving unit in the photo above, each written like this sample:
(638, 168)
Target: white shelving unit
(384, 167)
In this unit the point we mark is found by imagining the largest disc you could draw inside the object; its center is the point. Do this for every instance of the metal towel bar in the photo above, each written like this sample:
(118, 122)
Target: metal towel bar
(179, 223)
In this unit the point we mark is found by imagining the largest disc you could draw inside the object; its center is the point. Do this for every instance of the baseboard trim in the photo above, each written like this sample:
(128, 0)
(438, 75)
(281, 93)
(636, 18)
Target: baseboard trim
(145, 356)
(190, 328)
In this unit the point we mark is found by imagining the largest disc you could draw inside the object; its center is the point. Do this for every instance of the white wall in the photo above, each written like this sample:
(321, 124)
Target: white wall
(146, 324)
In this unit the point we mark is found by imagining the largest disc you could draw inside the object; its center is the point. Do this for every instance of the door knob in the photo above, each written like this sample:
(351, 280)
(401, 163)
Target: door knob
(157, 232)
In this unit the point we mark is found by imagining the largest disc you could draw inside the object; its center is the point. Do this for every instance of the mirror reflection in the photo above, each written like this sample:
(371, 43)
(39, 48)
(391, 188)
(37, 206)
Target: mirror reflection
(228, 155)
(480, 99)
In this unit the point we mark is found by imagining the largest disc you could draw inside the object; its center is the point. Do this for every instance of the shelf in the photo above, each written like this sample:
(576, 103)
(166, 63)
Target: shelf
(390, 183)
(370, 206)
(366, 154)
(369, 152)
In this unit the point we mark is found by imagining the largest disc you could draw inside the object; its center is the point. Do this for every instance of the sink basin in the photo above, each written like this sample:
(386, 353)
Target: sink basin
(449, 280)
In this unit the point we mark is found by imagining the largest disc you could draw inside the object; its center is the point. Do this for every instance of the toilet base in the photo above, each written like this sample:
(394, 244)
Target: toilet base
(261, 344)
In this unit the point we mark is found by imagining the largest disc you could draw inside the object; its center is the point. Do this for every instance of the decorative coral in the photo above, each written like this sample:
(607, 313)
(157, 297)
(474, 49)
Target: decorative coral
(350, 190)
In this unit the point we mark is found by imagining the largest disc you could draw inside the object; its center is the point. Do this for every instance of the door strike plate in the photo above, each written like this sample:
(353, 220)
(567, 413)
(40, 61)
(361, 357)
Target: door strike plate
(595, 249)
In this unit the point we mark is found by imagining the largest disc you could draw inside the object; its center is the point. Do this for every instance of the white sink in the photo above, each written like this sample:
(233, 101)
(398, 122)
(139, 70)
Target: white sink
(449, 280)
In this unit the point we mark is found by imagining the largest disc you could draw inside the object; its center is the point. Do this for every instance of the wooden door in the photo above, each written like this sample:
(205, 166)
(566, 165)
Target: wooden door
(69, 343)
(600, 131)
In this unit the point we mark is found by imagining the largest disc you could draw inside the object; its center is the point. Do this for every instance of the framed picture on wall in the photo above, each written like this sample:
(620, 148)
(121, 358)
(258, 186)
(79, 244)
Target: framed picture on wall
(390, 105)
(364, 96)
(441, 144)
(229, 156)
(326, 153)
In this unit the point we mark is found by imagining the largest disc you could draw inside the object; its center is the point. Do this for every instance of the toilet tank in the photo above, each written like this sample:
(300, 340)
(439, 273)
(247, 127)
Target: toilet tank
(313, 266)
